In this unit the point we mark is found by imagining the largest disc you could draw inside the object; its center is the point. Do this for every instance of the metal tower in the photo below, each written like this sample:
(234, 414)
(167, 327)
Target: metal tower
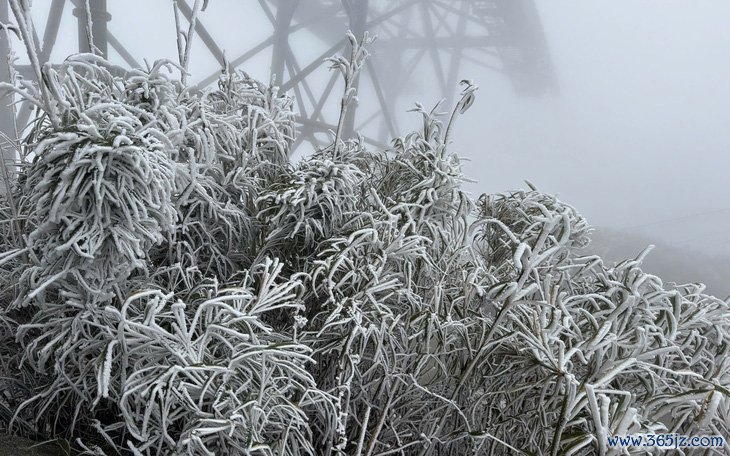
(418, 40)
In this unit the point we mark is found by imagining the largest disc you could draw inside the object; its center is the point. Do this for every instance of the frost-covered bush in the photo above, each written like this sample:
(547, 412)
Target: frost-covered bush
(209, 376)
(172, 284)
(128, 188)
(94, 195)
(98, 191)
(583, 351)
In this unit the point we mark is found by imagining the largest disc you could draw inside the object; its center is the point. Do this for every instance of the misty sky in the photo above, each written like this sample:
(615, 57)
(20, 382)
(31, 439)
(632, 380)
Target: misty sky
(641, 130)
(637, 138)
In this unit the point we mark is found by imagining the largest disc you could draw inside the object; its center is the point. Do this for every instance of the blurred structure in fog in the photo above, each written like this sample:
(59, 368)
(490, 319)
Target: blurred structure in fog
(427, 39)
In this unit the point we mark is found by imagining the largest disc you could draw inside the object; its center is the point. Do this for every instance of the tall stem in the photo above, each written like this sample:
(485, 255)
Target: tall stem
(89, 25)
(184, 52)
(340, 123)
(349, 69)
(25, 25)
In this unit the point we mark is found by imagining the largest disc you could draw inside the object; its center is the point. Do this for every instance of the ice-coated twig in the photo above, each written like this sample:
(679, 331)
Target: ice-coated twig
(349, 68)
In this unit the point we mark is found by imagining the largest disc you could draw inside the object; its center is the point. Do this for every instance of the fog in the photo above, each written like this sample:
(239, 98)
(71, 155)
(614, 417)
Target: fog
(635, 135)
(638, 136)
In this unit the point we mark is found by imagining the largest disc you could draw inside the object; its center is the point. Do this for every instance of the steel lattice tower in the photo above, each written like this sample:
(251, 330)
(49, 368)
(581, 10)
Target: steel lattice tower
(428, 38)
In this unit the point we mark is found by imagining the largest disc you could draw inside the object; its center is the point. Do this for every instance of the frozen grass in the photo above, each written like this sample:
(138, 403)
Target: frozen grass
(172, 284)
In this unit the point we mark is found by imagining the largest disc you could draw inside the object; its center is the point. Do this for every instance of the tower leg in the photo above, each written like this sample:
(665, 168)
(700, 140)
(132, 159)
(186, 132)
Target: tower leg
(284, 13)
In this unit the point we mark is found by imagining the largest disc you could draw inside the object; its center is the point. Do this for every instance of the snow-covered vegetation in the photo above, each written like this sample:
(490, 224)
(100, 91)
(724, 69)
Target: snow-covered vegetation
(173, 284)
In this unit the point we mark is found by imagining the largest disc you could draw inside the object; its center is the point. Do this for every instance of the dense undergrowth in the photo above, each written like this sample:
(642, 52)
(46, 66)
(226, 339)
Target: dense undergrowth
(172, 284)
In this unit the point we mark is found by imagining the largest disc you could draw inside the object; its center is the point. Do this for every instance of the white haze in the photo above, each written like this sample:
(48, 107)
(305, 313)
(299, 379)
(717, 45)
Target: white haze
(640, 131)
